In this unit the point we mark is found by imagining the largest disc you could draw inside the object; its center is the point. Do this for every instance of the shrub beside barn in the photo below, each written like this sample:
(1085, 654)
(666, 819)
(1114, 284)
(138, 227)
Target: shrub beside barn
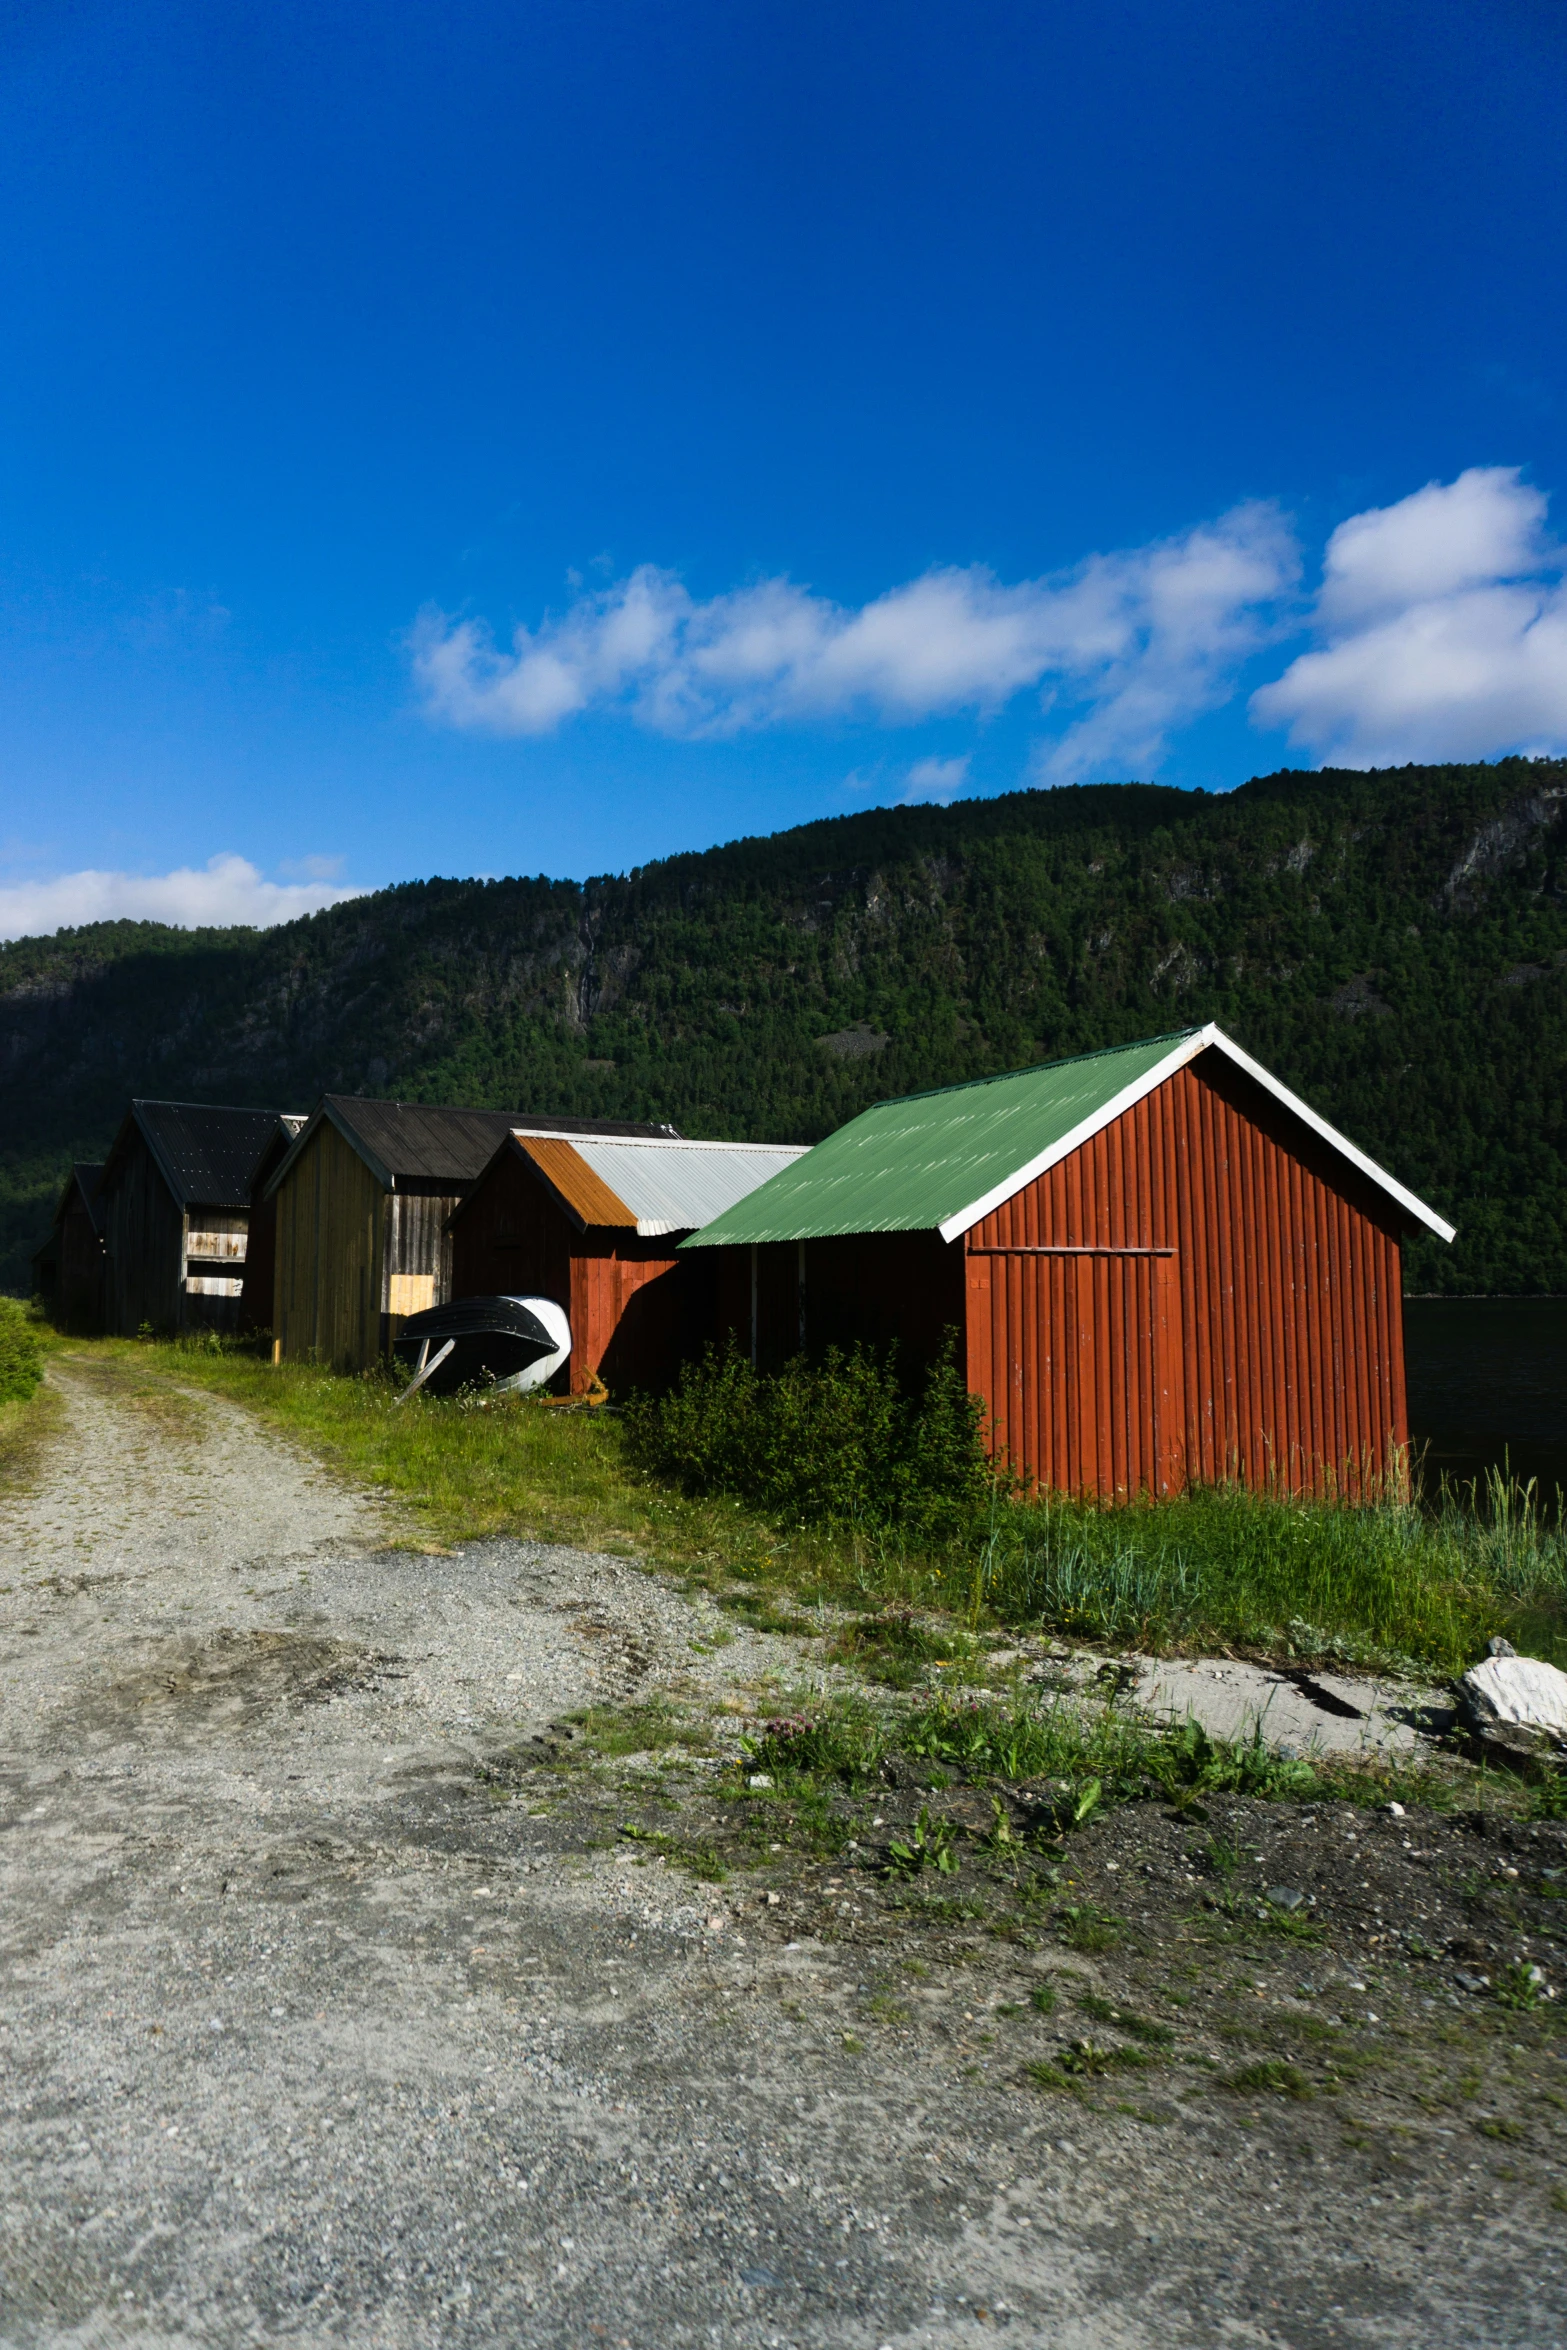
(1158, 1265)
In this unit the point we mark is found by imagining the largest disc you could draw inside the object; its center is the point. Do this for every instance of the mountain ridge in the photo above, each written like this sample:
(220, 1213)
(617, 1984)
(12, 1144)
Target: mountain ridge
(1393, 943)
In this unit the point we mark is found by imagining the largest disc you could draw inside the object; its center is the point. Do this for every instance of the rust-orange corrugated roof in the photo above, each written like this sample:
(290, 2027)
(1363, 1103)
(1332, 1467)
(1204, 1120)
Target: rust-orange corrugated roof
(585, 1194)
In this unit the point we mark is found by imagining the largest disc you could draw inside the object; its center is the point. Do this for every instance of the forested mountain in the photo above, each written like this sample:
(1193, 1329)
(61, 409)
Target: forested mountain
(1393, 944)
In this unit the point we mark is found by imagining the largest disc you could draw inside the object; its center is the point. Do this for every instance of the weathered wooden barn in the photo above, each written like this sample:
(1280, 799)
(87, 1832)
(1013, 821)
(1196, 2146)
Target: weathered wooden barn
(257, 1294)
(595, 1224)
(68, 1270)
(1160, 1265)
(362, 1197)
(175, 1203)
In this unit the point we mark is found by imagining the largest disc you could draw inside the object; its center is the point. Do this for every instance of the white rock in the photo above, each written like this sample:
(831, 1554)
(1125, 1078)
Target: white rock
(1519, 1690)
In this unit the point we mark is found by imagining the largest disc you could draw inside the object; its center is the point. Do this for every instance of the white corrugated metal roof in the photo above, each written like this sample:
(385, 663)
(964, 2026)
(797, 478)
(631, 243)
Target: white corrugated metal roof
(675, 1186)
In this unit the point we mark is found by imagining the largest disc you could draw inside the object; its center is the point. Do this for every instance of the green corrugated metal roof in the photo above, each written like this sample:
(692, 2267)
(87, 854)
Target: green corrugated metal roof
(909, 1165)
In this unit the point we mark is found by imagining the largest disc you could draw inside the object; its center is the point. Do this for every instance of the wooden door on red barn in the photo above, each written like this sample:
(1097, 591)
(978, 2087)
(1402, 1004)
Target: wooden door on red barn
(1077, 1352)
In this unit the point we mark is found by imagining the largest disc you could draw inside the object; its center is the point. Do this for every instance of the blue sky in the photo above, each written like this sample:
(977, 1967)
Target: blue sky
(845, 402)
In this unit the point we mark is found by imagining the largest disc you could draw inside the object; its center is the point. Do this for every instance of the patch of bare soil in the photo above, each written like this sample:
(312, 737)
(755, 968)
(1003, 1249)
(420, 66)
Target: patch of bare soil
(1406, 1969)
(234, 1674)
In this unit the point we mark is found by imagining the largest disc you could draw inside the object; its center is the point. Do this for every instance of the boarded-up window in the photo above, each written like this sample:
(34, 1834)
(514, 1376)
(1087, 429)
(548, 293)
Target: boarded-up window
(410, 1293)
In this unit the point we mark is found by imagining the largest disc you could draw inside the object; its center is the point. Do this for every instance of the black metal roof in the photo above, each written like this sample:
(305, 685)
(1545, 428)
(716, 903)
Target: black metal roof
(422, 1142)
(85, 1177)
(206, 1154)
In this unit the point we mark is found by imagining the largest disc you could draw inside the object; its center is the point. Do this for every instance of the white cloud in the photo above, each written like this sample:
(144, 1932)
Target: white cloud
(1444, 628)
(1177, 620)
(313, 868)
(226, 890)
(1145, 639)
(940, 780)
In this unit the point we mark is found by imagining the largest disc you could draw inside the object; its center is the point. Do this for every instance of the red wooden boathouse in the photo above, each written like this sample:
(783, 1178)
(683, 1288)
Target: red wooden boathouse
(1161, 1267)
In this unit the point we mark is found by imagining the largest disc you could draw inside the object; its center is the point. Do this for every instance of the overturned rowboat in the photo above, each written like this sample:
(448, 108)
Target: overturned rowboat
(503, 1345)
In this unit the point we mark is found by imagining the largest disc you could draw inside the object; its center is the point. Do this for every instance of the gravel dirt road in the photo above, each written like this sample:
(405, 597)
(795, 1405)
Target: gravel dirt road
(336, 2008)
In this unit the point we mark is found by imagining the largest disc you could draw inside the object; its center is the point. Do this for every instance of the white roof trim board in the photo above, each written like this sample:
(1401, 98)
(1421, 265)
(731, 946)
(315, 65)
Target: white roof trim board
(671, 1183)
(1210, 1038)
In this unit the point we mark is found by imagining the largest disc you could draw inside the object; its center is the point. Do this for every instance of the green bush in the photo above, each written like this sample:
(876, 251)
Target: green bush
(21, 1364)
(840, 1442)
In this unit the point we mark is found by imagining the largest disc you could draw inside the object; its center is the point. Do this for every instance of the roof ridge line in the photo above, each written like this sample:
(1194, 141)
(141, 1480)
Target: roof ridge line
(930, 1093)
(662, 1142)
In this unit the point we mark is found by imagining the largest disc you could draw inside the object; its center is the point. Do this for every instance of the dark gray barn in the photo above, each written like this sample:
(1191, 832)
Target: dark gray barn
(175, 1201)
(68, 1271)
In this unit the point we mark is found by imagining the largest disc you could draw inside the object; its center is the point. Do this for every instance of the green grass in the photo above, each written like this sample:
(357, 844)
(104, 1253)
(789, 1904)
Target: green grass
(1272, 2077)
(608, 1731)
(29, 1419)
(1215, 1569)
(21, 1357)
(1320, 1581)
(698, 1858)
(1136, 2027)
(26, 1427)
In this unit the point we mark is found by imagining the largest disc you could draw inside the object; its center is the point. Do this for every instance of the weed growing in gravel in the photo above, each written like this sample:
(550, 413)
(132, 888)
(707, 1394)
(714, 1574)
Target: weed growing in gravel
(1271, 2077)
(1084, 2061)
(845, 1741)
(1097, 1757)
(929, 1844)
(1089, 2060)
(634, 1729)
(1549, 1800)
(939, 1909)
(699, 1860)
(1519, 1985)
(898, 1647)
(1083, 1925)
(1137, 2027)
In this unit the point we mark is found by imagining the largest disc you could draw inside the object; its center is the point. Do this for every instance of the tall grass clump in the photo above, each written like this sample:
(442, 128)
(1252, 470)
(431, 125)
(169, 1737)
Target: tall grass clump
(839, 1443)
(21, 1359)
(1359, 1581)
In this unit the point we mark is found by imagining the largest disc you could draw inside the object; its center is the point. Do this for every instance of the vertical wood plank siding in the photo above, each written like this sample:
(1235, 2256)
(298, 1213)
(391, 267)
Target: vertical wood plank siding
(330, 1257)
(79, 1298)
(258, 1298)
(636, 1309)
(418, 1260)
(1236, 1310)
(144, 1238)
(148, 1242)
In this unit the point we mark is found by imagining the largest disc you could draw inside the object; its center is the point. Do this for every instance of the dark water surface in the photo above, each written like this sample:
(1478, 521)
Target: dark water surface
(1488, 1383)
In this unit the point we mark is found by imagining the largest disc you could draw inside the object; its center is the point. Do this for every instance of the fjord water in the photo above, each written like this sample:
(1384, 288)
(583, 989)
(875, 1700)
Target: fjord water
(1488, 1388)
